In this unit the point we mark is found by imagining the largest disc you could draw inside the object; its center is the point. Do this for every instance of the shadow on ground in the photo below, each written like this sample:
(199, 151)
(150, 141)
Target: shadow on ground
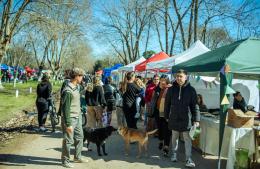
(20, 160)
(115, 150)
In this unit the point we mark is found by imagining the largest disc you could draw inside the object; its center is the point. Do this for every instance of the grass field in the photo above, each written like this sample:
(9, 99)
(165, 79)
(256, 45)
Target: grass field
(10, 105)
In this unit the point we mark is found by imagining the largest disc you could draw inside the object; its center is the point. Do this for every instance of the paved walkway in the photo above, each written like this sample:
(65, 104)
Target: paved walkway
(42, 151)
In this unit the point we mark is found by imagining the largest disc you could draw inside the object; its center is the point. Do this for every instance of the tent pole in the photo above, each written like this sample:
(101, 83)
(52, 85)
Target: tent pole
(225, 80)
(259, 93)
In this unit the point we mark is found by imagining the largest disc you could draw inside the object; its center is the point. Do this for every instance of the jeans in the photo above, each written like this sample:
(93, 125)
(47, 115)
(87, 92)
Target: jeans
(75, 138)
(137, 104)
(187, 142)
(109, 119)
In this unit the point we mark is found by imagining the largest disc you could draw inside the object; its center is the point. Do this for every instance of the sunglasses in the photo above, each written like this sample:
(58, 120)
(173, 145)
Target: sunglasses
(156, 79)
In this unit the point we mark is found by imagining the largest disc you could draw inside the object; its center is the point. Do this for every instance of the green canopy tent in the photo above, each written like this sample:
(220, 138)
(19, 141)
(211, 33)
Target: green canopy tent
(240, 59)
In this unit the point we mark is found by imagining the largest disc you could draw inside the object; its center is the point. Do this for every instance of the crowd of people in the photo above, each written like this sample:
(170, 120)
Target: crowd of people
(172, 107)
(8, 76)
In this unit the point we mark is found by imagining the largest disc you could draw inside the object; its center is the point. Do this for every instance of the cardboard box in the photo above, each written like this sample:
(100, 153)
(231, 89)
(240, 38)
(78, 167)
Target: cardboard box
(238, 119)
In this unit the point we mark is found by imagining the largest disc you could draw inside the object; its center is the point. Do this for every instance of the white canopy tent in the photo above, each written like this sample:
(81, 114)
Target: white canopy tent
(196, 49)
(131, 66)
(126, 68)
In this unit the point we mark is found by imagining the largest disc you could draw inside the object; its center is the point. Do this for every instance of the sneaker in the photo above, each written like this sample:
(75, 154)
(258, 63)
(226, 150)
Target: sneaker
(190, 163)
(137, 115)
(67, 165)
(43, 129)
(80, 160)
(174, 157)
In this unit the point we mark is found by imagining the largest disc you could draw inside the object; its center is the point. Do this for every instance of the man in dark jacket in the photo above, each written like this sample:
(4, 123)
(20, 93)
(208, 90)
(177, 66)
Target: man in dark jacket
(239, 102)
(182, 112)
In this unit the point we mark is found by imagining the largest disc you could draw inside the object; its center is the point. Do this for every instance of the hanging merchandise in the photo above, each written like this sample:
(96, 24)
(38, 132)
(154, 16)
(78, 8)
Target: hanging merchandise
(225, 100)
(222, 70)
(227, 68)
(215, 83)
(205, 83)
(229, 90)
(210, 85)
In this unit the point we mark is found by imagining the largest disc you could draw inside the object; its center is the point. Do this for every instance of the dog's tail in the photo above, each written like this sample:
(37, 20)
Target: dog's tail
(151, 132)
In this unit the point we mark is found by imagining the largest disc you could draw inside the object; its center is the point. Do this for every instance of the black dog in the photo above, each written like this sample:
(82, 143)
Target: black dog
(98, 136)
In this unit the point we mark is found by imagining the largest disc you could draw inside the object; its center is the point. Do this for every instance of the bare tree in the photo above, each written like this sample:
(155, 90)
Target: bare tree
(124, 27)
(79, 55)
(58, 24)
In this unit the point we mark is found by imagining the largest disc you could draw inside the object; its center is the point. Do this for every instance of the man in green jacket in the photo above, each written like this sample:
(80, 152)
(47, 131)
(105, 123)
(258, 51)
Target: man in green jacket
(72, 119)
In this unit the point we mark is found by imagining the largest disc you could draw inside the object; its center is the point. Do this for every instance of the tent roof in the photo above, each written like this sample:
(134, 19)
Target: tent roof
(242, 56)
(156, 57)
(131, 66)
(4, 66)
(195, 49)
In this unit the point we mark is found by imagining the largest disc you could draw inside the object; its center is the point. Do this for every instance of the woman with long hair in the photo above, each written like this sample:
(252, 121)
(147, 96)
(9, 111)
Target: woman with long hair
(139, 97)
(129, 100)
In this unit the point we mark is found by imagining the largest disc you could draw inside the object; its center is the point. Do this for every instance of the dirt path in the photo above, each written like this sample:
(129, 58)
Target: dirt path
(42, 151)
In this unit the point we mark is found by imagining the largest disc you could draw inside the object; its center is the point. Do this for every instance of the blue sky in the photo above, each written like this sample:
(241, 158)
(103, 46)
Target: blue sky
(100, 47)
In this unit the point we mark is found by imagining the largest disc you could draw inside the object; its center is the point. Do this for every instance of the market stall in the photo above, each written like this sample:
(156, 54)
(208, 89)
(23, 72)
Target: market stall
(196, 49)
(156, 57)
(238, 60)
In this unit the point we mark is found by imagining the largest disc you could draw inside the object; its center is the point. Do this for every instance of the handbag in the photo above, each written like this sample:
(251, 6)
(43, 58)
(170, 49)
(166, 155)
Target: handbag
(104, 118)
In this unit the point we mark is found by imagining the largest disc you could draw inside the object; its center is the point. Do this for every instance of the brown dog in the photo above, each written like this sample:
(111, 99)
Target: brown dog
(132, 135)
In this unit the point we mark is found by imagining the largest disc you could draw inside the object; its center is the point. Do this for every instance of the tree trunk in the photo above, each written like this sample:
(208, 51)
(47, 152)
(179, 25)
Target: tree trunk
(181, 25)
(1, 86)
(166, 5)
(196, 19)
(158, 33)
(190, 24)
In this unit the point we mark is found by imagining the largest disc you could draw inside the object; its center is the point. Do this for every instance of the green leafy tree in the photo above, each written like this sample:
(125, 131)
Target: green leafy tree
(148, 54)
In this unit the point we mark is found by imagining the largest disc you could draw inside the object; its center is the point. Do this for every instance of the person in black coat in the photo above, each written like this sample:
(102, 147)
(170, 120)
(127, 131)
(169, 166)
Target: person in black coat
(129, 100)
(239, 102)
(110, 96)
(96, 103)
(44, 90)
(182, 111)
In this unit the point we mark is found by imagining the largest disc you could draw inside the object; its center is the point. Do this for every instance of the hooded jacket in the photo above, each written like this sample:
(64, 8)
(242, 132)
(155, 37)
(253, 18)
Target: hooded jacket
(181, 108)
(110, 96)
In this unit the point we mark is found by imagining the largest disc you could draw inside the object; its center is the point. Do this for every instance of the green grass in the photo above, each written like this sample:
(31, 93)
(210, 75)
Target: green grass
(10, 105)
